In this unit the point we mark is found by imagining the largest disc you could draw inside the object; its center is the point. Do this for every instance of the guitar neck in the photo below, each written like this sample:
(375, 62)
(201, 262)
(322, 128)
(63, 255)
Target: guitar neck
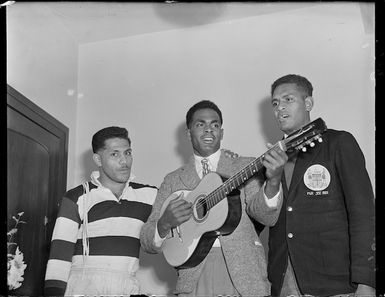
(237, 179)
(293, 142)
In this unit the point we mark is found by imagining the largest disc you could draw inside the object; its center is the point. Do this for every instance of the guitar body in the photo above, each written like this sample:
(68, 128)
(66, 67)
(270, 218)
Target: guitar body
(197, 235)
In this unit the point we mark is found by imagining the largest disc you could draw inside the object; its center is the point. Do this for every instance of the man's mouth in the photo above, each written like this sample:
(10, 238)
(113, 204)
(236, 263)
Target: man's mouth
(283, 116)
(208, 139)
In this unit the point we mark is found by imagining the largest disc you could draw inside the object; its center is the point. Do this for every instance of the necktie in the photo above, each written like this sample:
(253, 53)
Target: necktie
(289, 167)
(205, 167)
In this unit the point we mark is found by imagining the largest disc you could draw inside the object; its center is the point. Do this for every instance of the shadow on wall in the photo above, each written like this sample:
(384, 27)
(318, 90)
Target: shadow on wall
(183, 145)
(88, 165)
(266, 121)
(272, 134)
(189, 14)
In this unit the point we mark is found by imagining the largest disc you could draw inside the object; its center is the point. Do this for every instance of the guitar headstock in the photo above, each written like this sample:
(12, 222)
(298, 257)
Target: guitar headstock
(307, 135)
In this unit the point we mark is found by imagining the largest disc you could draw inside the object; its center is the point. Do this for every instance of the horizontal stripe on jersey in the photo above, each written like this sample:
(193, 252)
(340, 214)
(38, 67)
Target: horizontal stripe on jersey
(58, 270)
(68, 209)
(65, 229)
(129, 209)
(111, 246)
(62, 250)
(119, 226)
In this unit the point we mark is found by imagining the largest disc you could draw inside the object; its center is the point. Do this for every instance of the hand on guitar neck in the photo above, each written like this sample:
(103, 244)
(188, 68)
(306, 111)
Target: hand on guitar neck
(273, 160)
(177, 212)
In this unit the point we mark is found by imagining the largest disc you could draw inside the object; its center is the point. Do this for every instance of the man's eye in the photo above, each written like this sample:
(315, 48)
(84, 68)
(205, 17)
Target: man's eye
(128, 153)
(289, 99)
(216, 126)
(114, 154)
(274, 103)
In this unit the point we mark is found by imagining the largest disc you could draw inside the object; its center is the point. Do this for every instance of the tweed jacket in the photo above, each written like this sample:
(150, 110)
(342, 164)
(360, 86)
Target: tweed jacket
(328, 232)
(243, 250)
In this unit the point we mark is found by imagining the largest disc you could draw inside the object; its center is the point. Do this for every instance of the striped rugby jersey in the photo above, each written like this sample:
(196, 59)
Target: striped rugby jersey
(113, 229)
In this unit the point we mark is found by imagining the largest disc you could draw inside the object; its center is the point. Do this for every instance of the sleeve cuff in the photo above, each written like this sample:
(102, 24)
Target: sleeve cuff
(272, 202)
(157, 239)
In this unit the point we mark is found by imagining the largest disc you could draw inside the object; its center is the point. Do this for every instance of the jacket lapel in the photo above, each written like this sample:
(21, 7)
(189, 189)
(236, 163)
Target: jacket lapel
(189, 175)
(224, 165)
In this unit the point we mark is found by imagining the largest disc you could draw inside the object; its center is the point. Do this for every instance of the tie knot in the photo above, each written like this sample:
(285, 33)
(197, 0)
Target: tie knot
(205, 166)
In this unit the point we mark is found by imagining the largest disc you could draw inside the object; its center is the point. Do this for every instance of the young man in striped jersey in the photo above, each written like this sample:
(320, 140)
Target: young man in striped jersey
(95, 243)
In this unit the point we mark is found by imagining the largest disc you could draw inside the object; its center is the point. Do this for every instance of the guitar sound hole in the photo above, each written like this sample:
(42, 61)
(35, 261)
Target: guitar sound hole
(201, 209)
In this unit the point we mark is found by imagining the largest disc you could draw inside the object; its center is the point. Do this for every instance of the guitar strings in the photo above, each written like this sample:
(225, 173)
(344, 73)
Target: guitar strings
(220, 192)
(212, 196)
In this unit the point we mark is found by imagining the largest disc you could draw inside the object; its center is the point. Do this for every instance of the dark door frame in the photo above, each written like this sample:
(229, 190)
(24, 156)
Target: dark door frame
(19, 104)
(23, 105)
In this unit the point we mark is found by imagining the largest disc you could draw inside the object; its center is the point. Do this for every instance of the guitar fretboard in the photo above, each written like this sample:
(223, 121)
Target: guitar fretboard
(234, 182)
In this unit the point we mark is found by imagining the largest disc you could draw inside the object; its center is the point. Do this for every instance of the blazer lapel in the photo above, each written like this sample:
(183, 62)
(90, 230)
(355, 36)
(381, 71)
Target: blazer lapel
(189, 175)
(224, 165)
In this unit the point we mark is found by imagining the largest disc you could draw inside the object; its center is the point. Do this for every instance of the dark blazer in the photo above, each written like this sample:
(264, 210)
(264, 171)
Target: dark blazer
(243, 250)
(330, 216)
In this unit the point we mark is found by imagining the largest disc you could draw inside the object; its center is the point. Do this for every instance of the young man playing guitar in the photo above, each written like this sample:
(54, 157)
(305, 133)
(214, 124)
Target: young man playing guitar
(233, 261)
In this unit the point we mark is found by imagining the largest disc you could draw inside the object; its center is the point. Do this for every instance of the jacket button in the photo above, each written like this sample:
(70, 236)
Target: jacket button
(290, 235)
(289, 208)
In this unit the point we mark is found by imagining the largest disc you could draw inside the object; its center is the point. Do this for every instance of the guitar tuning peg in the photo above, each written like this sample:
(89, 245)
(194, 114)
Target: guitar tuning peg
(320, 139)
(312, 144)
(304, 149)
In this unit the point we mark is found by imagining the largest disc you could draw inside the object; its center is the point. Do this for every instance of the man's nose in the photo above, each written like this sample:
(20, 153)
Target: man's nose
(281, 106)
(123, 160)
(208, 128)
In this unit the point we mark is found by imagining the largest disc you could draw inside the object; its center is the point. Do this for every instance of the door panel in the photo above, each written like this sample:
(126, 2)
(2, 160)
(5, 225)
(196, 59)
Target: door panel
(36, 180)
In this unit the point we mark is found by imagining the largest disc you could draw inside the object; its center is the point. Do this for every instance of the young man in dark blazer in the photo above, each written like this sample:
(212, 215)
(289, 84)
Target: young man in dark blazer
(323, 241)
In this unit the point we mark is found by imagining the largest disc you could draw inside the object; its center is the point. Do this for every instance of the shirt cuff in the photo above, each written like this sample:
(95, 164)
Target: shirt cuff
(157, 239)
(272, 202)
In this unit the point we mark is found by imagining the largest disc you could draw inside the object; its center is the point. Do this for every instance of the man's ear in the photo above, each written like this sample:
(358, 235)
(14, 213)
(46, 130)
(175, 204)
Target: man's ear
(97, 159)
(188, 134)
(309, 103)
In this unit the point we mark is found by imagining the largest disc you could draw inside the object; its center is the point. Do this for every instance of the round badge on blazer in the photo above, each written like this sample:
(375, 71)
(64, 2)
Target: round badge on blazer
(317, 177)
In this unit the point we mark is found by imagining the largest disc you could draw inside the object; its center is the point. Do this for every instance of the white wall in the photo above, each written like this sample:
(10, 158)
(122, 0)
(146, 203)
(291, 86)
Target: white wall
(147, 82)
(42, 64)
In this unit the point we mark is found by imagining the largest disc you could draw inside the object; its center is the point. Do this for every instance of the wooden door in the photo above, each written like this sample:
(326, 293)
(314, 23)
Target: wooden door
(36, 181)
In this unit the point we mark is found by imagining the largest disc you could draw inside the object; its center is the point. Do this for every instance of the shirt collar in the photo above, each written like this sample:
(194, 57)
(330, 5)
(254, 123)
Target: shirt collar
(213, 160)
(95, 179)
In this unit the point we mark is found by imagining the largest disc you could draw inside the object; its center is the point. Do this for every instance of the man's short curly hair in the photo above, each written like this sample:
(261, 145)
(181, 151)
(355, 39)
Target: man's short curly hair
(202, 105)
(99, 138)
(300, 81)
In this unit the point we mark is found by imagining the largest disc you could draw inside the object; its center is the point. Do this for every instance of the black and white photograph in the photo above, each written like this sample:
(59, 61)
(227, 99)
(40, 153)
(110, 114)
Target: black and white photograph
(191, 148)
